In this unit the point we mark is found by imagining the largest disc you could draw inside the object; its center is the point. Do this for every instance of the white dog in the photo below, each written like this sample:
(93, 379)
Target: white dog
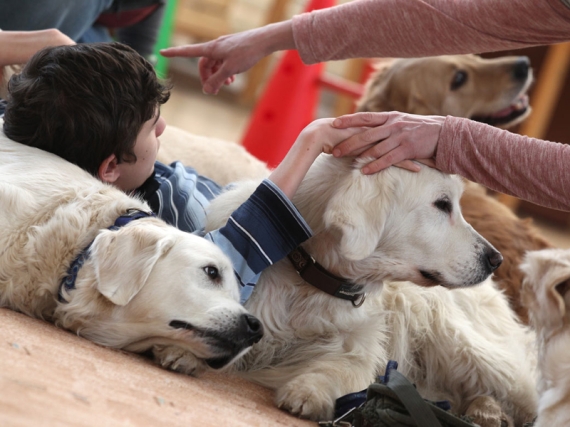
(546, 294)
(140, 286)
(397, 225)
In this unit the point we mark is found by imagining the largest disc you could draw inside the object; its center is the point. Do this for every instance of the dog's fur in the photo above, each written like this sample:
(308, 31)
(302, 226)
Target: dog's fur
(457, 344)
(144, 285)
(494, 91)
(220, 160)
(488, 90)
(546, 293)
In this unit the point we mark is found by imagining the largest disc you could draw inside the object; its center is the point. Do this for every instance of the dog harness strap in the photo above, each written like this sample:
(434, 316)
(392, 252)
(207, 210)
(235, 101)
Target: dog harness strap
(68, 282)
(315, 274)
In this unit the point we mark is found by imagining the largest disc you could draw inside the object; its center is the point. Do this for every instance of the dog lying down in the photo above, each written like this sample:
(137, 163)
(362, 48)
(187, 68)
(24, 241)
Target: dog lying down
(139, 286)
(492, 91)
(546, 293)
(461, 343)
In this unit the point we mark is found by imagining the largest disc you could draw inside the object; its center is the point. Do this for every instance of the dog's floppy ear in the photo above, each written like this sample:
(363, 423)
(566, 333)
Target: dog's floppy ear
(562, 290)
(123, 260)
(546, 286)
(355, 213)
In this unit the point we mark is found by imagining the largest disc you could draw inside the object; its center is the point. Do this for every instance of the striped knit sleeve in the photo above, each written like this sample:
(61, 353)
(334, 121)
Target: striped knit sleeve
(182, 196)
(260, 232)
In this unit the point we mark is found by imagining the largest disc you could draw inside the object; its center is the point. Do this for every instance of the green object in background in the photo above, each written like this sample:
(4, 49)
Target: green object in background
(164, 37)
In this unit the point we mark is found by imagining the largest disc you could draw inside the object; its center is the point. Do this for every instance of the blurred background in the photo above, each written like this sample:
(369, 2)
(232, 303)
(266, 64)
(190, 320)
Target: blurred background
(227, 114)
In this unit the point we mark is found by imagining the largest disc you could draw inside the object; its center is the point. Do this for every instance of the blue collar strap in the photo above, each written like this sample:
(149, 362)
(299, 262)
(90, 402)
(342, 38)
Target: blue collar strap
(68, 282)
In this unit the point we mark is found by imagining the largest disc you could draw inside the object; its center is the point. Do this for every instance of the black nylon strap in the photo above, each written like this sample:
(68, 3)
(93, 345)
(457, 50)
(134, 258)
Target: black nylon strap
(419, 410)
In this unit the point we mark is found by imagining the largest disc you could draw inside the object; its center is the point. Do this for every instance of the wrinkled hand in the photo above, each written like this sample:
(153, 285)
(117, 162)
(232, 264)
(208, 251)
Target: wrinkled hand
(223, 58)
(391, 139)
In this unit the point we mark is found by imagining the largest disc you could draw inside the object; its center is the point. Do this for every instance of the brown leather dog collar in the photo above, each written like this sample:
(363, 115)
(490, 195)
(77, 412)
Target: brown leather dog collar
(315, 274)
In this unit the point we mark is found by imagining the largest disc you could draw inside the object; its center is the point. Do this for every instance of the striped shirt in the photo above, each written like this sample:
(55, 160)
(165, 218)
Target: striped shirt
(2, 107)
(260, 232)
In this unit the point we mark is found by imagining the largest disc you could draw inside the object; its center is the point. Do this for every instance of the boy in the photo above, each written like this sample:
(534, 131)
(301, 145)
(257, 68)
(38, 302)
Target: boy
(97, 105)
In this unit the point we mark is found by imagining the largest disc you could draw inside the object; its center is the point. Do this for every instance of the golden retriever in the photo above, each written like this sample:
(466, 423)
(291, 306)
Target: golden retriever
(138, 287)
(492, 91)
(546, 294)
(488, 90)
(380, 232)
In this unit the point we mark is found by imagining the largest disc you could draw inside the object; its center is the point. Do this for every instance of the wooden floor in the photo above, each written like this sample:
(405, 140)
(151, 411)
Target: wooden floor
(52, 378)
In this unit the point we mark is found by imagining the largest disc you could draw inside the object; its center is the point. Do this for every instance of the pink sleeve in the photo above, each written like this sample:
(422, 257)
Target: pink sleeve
(411, 28)
(528, 168)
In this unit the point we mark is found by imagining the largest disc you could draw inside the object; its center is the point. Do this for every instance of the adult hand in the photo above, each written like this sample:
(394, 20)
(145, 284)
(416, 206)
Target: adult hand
(392, 138)
(223, 58)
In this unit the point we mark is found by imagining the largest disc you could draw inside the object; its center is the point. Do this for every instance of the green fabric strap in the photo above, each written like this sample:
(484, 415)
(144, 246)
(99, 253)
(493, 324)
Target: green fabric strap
(411, 399)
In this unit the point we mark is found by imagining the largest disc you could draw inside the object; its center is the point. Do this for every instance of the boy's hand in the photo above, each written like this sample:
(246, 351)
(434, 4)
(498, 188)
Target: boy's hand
(320, 136)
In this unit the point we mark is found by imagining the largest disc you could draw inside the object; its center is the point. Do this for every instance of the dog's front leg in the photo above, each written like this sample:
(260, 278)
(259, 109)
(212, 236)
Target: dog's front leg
(312, 392)
(178, 359)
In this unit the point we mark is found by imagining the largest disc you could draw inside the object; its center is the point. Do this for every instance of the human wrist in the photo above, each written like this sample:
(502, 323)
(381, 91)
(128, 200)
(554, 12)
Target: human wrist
(278, 36)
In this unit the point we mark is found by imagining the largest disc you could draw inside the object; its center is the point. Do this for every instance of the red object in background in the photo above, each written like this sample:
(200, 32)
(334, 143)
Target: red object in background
(287, 105)
(125, 18)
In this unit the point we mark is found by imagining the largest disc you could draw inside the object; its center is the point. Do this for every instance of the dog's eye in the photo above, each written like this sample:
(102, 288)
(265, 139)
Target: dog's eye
(443, 205)
(459, 79)
(212, 272)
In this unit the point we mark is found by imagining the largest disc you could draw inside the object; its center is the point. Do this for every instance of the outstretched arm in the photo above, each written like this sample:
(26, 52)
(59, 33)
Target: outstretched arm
(228, 55)
(528, 168)
(16, 47)
(386, 28)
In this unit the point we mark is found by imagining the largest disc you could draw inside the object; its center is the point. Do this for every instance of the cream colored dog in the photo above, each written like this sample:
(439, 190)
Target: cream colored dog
(456, 344)
(546, 293)
(142, 286)
(493, 91)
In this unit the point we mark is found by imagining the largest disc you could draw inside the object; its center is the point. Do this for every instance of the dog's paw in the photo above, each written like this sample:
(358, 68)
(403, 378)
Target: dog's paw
(308, 396)
(486, 412)
(178, 359)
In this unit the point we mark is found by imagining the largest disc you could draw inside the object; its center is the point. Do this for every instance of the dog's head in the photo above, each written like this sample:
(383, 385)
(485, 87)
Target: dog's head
(492, 91)
(396, 225)
(546, 289)
(149, 284)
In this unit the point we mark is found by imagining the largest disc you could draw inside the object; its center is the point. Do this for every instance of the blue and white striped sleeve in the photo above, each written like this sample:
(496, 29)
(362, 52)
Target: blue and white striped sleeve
(262, 231)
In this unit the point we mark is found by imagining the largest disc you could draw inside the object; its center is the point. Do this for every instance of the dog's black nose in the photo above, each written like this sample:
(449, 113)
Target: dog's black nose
(494, 258)
(521, 67)
(253, 327)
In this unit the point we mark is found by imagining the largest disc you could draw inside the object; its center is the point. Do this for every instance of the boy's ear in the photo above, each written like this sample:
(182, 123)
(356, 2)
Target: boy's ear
(108, 170)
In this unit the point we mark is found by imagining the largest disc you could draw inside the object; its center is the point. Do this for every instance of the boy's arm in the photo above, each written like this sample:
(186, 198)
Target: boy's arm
(318, 137)
(260, 232)
(267, 226)
(16, 47)
(263, 230)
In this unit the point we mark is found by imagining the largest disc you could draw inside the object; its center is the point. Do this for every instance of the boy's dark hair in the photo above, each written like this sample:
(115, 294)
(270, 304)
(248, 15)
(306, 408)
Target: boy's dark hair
(83, 102)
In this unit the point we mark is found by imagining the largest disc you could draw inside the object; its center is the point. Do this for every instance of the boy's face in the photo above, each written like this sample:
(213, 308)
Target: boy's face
(133, 175)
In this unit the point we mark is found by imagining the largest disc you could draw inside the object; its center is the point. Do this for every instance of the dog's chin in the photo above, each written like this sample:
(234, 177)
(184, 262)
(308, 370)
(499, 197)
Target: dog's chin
(431, 278)
(224, 361)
